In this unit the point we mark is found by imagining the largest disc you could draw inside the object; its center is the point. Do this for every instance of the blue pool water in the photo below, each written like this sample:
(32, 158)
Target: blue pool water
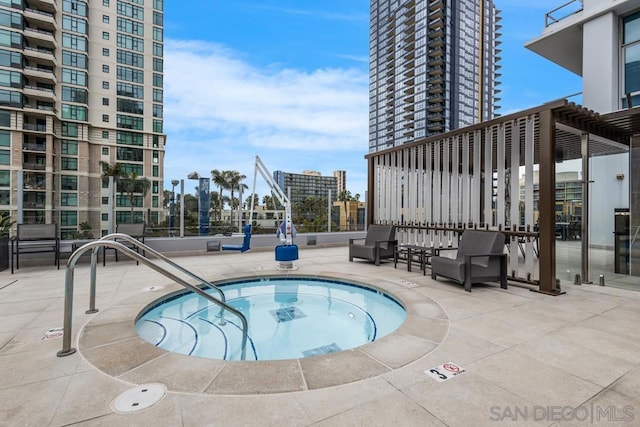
(288, 318)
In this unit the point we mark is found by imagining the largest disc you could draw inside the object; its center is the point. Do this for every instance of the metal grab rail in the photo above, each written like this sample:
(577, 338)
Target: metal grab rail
(146, 248)
(68, 294)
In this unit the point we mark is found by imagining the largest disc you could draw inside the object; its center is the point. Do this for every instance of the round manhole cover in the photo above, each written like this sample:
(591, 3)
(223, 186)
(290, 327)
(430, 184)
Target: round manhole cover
(138, 398)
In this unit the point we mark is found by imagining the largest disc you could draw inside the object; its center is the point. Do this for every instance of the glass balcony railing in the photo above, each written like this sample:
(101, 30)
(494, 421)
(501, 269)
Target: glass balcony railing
(564, 11)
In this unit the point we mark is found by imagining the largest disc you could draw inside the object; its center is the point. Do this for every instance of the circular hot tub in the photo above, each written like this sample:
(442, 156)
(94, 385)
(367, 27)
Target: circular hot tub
(288, 318)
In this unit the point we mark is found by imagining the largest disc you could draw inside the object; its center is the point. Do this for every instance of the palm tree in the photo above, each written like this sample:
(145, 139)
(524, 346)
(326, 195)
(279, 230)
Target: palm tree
(219, 179)
(131, 184)
(117, 172)
(234, 182)
(344, 196)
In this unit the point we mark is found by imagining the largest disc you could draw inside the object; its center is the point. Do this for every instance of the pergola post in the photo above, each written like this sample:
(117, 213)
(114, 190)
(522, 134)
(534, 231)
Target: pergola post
(547, 202)
(371, 193)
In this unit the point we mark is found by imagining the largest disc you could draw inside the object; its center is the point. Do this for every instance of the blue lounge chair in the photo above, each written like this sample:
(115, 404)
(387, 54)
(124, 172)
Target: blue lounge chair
(245, 246)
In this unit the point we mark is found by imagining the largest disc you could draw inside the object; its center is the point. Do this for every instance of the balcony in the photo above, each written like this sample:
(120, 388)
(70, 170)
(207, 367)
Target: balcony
(435, 89)
(43, 19)
(44, 37)
(41, 93)
(435, 108)
(436, 98)
(436, 52)
(40, 53)
(433, 62)
(44, 5)
(42, 73)
(436, 71)
(39, 147)
(434, 5)
(33, 166)
(37, 127)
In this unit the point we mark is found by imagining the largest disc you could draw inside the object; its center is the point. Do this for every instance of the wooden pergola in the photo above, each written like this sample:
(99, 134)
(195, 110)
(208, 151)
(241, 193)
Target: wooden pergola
(471, 178)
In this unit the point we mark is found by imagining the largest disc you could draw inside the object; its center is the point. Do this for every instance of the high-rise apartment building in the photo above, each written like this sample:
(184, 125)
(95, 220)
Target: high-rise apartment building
(82, 82)
(433, 68)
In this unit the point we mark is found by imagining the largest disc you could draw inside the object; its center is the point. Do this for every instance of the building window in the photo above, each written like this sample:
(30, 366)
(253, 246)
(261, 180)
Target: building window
(68, 218)
(69, 182)
(75, 59)
(105, 19)
(105, 3)
(157, 64)
(75, 7)
(69, 146)
(157, 95)
(105, 51)
(105, 200)
(74, 112)
(105, 151)
(69, 164)
(631, 58)
(105, 68)
(105, 118)
(105, 101)
(70, 129)
(74, 42)
(105, 134)
(68, 199)
(155, 170)
(157, 34)
(105, 85)
(5, 138)
(105, 35)
(129, 42)
(157, 49)
(74, 77)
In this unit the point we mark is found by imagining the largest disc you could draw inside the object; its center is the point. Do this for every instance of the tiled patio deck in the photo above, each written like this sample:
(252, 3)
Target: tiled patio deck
(530, 358)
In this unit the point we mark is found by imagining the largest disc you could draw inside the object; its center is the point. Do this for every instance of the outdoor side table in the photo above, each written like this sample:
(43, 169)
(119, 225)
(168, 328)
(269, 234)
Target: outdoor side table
(422, 252)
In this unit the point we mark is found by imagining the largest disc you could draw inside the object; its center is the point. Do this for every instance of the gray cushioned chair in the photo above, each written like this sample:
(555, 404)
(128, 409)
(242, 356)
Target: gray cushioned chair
(379, 243)
(480, 258)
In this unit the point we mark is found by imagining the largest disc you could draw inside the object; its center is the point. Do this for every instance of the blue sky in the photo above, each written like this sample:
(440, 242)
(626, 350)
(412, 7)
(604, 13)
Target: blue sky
(288, 80)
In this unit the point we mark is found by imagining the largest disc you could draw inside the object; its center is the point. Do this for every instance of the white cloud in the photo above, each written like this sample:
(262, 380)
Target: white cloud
(220, 112)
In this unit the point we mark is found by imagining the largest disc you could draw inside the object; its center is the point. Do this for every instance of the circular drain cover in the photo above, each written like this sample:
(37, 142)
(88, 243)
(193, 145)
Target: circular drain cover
(138, 398)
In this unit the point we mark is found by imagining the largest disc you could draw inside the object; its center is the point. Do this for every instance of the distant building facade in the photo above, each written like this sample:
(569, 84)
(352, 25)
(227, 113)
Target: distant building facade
(341, 180)
(305, 185)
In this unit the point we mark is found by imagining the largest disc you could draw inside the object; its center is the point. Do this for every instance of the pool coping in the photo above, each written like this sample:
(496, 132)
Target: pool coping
(110, 343)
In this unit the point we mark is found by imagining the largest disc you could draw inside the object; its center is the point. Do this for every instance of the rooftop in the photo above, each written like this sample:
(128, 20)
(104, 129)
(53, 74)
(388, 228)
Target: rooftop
(524, 353)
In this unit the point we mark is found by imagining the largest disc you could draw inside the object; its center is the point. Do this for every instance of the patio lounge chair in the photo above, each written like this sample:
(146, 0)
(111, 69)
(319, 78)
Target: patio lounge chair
(480, 258)
(379, 243)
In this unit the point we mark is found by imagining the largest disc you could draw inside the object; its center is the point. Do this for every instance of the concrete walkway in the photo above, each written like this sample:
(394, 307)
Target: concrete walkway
(530, 359)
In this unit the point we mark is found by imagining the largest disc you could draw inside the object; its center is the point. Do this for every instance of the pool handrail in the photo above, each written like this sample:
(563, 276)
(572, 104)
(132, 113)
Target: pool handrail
(68, 295)
(147, 248)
